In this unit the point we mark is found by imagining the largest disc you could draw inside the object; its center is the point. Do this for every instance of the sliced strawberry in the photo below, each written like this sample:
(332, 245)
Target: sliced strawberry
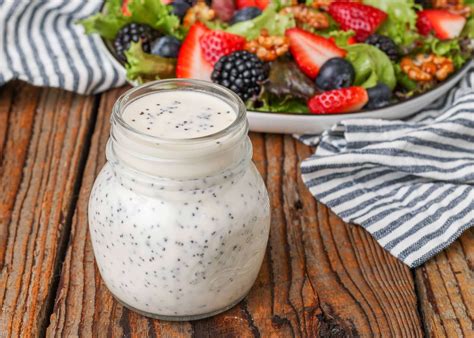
(311, 51)
(345, 100)
(125, 10)
(216, 44)
(362, 19)
(262, 4)
(245, 3)
(166, 2)
(444, 24)
(191, 62)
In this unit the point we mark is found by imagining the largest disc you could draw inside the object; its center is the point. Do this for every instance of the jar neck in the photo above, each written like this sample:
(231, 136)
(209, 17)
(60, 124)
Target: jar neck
(177, 161)
(135, 153)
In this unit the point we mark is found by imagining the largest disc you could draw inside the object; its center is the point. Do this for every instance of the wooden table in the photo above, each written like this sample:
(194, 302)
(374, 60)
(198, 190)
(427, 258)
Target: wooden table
(320, 276)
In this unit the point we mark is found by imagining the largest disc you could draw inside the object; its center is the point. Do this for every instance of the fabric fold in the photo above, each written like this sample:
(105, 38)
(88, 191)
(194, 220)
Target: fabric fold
(410, 183)
(41, 43)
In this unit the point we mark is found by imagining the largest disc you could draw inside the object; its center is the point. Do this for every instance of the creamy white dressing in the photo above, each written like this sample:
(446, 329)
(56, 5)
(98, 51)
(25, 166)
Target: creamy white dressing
(179, 114)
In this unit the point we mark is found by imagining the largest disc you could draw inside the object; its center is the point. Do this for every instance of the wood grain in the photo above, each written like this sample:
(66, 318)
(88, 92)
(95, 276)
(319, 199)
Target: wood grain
(43, 133)
(446, 288)
(319, 277)
(83, 305)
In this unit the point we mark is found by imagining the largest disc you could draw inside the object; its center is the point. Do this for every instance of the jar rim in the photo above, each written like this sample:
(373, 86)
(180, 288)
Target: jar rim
(207, 87)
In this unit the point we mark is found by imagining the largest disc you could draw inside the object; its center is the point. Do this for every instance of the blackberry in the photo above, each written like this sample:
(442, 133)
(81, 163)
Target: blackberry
(241, 72)
(132, 33)
(385, 44)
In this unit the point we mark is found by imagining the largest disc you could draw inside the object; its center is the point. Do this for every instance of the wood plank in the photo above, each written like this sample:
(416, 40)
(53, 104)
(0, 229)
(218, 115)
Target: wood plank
(43, 134)
(446, 288)
(319, 277)
(84, 307)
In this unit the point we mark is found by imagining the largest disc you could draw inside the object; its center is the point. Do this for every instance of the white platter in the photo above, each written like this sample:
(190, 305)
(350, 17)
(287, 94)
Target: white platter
(307, 123)
(286, 123)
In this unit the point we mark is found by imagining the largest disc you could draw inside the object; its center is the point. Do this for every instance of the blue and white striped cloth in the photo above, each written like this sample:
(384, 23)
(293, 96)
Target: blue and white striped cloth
(410, 184)
(41, 43)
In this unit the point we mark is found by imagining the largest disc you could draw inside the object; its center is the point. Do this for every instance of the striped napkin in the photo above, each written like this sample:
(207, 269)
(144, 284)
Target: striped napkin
(409, 183)
(40, 43)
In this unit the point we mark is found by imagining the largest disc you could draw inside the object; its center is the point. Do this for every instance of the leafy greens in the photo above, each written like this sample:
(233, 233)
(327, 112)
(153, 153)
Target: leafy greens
(151, 12)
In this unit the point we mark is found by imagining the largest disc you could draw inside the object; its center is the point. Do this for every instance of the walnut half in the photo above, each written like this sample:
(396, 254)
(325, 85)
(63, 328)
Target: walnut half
(426, 68)
(267, 47)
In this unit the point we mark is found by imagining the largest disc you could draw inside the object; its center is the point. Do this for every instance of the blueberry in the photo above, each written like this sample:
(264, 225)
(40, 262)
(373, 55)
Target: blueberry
(379, 96)
(166, 46)
(335, 73)
(245, 14)
(179, 8)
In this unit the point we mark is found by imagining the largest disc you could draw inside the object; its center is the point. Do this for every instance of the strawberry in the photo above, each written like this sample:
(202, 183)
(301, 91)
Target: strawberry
(216, 44)
(362, 19)
(245, 3)
(311, 51)
(262, 4)
(125, 10)
(444, 24)
(191, 62)
(344, 100)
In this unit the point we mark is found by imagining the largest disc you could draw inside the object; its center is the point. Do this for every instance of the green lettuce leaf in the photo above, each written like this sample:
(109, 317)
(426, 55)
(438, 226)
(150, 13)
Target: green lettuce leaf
(108, 23)
(285, 78)
(274, 104)
(371, 66)
(468, 31)
(341, 37)
(403, 79)
(157, 15)
(144, 67)
(448, 48)
(274, 23)
(401, 20)
(151, 12)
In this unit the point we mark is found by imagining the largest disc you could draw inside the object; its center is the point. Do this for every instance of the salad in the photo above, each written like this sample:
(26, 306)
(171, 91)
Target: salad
(298, 56)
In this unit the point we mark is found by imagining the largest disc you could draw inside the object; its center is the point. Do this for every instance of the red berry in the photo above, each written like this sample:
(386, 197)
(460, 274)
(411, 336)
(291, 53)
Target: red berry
(444, 24)
(262, 4)
(191, 62)
(224, 9)
(125, 10)
(311, 51)
(344, 100)
(216, 44)
(362, 19)
(245, 3)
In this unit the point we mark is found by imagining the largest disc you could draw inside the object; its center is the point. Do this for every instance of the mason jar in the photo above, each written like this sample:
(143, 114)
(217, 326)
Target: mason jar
(179, 222)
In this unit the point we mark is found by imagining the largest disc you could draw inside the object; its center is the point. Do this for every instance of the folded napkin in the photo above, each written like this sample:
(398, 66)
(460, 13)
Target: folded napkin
(410, 183)
(41, 43)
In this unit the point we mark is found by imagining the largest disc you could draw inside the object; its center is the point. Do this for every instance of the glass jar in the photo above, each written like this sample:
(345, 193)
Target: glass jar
(179, 227)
